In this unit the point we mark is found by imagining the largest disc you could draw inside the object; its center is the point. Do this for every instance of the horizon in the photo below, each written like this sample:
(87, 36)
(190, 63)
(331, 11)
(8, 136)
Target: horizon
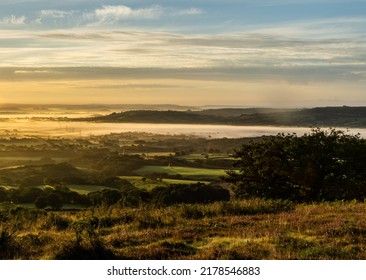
(205, 106)
(274, 54)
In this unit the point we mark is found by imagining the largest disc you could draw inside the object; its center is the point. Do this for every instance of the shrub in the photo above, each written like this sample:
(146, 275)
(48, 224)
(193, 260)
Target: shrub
(149, 221)
(8, 245)
(195, 193)
(85, 250)
(86, 245)
(56, 221)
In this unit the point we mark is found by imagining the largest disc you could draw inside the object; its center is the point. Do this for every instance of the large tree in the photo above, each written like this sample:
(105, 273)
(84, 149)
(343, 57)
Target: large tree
(321, 165)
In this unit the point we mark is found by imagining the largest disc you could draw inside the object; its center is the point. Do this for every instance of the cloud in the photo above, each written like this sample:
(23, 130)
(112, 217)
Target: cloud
(55, 13)
(116, 13)
(33, 71)
(234, 56)
(293, 75)
(188, 12)
(13, 20)
(105, 15)
(133, 86)
(113, 14)
(360, 73)
(337, 27)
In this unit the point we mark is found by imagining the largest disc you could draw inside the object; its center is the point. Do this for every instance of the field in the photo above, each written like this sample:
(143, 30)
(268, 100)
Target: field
(194, 157)
(85, 189)
(147, 184)
(184, 172)
(251, 229)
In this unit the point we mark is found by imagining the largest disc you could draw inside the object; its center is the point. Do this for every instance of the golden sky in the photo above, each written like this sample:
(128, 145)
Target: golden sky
(241, 53)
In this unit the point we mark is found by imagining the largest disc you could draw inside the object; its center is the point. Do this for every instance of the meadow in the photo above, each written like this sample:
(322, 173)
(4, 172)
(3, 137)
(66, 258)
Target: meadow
(246, 229)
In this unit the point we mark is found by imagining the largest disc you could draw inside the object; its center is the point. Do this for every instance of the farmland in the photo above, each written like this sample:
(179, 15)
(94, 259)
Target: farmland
(33, 166)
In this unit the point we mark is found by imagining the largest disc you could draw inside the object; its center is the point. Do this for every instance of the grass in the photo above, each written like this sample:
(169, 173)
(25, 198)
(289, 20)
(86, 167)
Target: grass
(248, 229)
(185, 172)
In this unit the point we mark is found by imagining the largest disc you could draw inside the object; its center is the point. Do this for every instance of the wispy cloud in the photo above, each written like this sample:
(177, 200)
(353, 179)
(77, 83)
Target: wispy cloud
(137, 86)
(252, 55)
(338, 27)
(112, 14)
(55, 13)
(33, 71)
(188, 12)
(115, 13)
(13, 20)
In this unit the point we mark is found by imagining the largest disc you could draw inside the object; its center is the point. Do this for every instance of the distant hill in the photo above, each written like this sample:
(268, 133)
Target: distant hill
(148, 116)
(322, 116)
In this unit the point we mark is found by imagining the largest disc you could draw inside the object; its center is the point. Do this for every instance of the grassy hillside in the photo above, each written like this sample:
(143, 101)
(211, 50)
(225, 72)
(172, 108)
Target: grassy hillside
(248, 229)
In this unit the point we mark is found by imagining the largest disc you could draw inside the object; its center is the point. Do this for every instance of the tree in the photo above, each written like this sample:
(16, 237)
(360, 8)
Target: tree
(321, 165)
(54, 201)
(3, 194)
(41, 202)
(193, 193)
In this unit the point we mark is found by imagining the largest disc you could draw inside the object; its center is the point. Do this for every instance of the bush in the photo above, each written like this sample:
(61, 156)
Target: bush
(3, 194)
(86, 245)
(86, 250)
(57, 222)
(195, 193)
(8, 245)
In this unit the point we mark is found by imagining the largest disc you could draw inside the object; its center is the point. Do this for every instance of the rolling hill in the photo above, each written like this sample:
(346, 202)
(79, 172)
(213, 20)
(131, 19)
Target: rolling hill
(321, 116)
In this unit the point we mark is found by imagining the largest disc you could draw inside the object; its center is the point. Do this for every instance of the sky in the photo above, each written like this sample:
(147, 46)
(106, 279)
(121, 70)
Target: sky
(262, 53)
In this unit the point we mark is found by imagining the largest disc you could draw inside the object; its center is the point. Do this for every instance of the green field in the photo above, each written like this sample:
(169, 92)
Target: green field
(11, 167)
(193, 157)
(186, 172)
(149, 184)
(85, 189)
(8, 187)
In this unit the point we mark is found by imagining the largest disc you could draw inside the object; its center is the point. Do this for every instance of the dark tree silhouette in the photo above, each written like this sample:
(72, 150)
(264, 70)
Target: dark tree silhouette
(321, 165)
